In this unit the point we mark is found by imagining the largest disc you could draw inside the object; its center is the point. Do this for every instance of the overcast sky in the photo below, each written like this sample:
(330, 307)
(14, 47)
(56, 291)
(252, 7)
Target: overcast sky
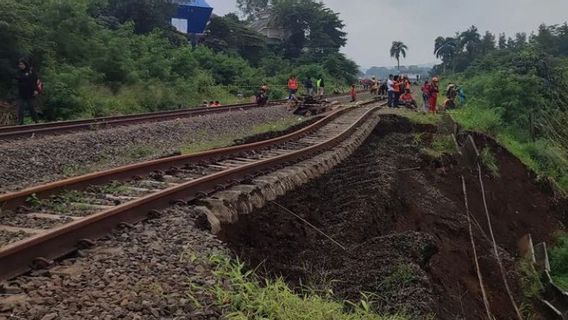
(372, 25)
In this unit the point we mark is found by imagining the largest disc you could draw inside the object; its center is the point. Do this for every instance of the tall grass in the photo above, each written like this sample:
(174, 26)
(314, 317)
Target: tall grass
(242, 296)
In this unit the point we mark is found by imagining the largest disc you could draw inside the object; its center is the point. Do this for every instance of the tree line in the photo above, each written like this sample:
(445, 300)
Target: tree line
(517, 90)
(102, 57)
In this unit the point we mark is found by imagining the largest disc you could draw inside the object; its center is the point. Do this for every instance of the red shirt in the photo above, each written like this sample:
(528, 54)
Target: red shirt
(407, 97)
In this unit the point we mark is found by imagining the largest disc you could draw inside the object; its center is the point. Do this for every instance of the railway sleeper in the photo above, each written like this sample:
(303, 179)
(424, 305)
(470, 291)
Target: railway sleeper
(225, 207)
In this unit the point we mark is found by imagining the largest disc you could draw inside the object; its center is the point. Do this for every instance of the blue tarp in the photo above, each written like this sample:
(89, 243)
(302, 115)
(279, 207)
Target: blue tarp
(196, 12)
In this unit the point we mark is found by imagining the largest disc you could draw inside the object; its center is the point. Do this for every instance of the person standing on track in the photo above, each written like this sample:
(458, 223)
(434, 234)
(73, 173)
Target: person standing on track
(426, 95)
(433, 95)
(321, 86)
(292, 87)
(27, 90)
(397, 87)
(309, 85)
(390, 91)
(353, 93)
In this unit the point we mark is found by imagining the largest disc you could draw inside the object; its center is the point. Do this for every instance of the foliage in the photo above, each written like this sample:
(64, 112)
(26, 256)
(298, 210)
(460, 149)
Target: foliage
(517, 92)
(558, 255)
(243, 296)
(489, 161)
(109, 57)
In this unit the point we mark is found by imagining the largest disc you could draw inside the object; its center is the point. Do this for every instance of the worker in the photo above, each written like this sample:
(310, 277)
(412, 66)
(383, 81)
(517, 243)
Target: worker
(397, 91)
(433, 95)
(408, 101)
(292, 87)
(28, 89)
(426, 95)
(374, 86)
(390, 91)
(320, 83)
(353, 93)
(262, 96)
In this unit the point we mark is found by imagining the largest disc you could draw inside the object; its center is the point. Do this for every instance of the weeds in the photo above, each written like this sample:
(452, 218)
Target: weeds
(242, 295)
(531, 287)
(558, 255)
(141, 152)
(403, 276)
(489, 161)
(421, 118)
(442, 145)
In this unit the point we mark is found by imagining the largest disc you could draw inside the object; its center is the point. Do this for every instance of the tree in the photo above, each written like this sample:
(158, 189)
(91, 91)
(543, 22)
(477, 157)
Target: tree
(470, 40)
(147, 15)
(310, 26)
(229, 34)
(445, 49)
(502, 41)
(249, 7)
(397, 50)
(487, 43)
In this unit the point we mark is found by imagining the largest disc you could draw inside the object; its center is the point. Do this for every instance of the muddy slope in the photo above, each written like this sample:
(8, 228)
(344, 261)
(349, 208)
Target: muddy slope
(401, 232)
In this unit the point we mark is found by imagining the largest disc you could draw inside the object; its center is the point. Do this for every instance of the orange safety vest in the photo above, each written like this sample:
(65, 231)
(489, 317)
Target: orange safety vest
(293, 84)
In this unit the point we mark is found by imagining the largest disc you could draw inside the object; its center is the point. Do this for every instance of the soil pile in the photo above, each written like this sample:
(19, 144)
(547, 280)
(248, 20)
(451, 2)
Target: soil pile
(397, 215)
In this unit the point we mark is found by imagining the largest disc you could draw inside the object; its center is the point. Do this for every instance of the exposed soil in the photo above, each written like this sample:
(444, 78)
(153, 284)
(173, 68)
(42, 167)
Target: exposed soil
(400, 217)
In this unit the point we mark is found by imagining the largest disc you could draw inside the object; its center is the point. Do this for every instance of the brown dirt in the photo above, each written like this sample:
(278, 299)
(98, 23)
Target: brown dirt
(404, 229)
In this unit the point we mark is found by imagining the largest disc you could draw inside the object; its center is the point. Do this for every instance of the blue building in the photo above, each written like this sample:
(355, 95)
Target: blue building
(191, 16)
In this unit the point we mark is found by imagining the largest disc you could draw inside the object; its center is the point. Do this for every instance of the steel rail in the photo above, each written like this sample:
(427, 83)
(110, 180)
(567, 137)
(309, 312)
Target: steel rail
(75, 125)
(18, 198)
(19, 257)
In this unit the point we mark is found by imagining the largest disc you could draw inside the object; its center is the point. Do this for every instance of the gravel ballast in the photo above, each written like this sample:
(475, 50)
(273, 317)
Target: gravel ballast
(38, 160)
(147, 272)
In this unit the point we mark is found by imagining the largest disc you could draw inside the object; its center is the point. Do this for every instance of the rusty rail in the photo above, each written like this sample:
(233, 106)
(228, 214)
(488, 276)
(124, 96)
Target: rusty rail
(19, 257)
(75, 125)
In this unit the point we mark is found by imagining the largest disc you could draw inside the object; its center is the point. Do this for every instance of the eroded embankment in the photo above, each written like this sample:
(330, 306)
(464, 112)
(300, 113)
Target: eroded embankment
(398, 210)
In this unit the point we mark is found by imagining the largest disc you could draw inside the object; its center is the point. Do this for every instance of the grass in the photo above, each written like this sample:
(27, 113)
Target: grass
(420, 118)
(140, 152)
(441, 146)
(558, 255)
(489, 161)
(242, 295)
(228, 140)
(402, 276)
(531, 287)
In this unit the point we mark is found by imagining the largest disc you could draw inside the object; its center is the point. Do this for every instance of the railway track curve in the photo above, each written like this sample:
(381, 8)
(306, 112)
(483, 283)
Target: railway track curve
(52, 220)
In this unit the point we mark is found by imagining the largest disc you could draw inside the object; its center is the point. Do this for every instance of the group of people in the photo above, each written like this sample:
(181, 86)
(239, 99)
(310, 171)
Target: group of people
(399, 92)
(312, 87)
(212, 104)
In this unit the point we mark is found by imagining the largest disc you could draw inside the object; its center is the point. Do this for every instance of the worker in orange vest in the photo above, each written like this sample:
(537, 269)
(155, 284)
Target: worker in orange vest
(292, 87)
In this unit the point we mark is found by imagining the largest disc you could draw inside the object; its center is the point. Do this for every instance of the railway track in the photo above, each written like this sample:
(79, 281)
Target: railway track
(60, 127)
(43, 223)
(14, 132)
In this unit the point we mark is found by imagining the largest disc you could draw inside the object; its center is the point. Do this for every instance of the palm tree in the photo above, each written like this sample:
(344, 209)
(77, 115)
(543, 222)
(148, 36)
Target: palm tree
(445, 49)
(398, 49)
(470, 40)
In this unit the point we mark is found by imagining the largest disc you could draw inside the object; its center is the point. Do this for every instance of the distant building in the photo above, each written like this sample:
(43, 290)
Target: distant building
(191, 16)
(265, 25)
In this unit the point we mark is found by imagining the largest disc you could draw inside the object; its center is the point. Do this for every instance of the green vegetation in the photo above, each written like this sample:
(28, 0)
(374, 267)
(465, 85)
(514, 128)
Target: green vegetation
(228, 140)
(558, 255)
(106, 57)
(242, 295)
(489, 161)
(419, 118)
(442, 145)
(517, 92)
(531, 287)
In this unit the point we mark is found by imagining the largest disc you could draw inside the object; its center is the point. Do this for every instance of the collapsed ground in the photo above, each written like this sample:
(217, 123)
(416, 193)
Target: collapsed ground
(398, 209)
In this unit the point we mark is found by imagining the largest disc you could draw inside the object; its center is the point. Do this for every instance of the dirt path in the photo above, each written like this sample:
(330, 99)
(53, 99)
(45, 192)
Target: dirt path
(400, 214)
